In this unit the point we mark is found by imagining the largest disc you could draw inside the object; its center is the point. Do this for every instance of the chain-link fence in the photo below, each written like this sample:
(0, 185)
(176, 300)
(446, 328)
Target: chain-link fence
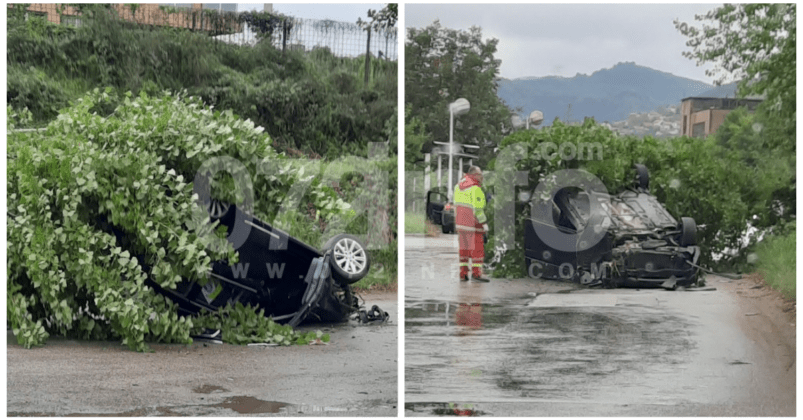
(343, 39)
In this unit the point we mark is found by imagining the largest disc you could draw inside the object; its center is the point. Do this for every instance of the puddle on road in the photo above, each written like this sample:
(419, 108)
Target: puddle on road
(240, 404)
(251, 405)
(511, 351)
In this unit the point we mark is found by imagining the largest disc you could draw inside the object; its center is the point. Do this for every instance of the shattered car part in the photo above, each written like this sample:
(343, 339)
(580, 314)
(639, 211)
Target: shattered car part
(638, 243)
(372, 316)
(292, 281)
(209, 335)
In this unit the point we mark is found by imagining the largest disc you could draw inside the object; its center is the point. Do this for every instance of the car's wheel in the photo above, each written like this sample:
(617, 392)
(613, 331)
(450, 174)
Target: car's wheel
(350, 261)
(688, 231)
(217, 209)
(642, 177)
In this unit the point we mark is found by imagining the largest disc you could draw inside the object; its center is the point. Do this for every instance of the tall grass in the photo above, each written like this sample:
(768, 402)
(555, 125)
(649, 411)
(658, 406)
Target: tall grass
(776, 263)
(414, 222)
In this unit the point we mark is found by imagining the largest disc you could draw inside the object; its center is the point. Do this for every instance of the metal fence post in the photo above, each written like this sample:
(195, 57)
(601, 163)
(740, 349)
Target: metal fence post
(284, 34)
(368, 57)
(440, 181)
(415, 196)
(427, 170)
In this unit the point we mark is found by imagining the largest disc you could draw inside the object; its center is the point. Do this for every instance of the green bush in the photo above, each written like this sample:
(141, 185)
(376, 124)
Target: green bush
(99, 204)
(43, 95)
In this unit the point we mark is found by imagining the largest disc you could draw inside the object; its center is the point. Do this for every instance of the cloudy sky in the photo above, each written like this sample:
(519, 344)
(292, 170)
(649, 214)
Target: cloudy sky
(566, 39)
(348, 12)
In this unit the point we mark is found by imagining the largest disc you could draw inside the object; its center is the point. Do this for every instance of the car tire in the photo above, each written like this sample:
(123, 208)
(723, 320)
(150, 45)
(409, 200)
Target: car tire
(688, 231)
(217, 209)
(349, 260)
(642, 177)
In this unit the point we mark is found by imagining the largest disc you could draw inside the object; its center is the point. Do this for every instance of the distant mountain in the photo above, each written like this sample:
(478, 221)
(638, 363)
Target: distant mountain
(727, 91)
(607, 94)
(724, 91)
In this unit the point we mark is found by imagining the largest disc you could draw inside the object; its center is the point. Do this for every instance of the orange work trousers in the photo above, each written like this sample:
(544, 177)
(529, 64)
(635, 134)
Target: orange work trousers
(472, 249)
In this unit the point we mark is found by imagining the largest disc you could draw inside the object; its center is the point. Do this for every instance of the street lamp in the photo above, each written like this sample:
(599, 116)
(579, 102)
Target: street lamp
(458, 107)
(536, 117)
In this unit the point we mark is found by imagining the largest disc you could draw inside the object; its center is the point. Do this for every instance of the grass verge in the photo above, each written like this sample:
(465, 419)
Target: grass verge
(776, 263)
(414, 223)
(377, 279)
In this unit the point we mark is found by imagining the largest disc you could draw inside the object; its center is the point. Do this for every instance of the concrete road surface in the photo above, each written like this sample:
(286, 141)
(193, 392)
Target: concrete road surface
(526, 347)
(355, 375)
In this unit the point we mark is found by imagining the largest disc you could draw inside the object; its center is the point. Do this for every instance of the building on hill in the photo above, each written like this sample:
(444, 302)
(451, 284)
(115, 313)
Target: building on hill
(703, 115)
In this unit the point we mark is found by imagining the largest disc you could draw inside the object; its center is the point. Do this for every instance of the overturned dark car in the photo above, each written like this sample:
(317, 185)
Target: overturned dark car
(292, 281)
(623, 240)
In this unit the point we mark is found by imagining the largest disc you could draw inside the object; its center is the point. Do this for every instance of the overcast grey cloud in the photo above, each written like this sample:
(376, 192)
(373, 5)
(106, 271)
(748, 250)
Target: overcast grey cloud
(346, 12)
(566, 39)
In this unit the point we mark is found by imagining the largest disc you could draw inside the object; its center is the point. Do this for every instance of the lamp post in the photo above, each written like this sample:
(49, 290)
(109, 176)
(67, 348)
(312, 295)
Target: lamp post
(458, 107)
(536, 117)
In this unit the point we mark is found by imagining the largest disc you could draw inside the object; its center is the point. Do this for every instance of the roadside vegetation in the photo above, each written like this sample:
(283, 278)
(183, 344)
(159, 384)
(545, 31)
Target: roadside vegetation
(776, 261)
(314, 104)
(757, 44)
(101, 202)
(414, 222)
(101, 208)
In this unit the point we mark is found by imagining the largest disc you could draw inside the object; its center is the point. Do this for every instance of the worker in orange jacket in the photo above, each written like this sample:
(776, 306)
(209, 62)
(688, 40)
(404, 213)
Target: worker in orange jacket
(471, 223)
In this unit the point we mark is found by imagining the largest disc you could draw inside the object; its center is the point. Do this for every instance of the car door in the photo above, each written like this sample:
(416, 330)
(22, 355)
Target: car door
(435, 203)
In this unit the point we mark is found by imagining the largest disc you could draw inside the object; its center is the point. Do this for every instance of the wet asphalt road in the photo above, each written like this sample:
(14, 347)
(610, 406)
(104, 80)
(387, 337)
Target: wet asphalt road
(527, 347)
(355, 375)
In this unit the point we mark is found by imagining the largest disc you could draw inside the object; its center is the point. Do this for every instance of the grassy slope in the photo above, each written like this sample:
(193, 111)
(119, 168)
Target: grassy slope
(776, 263)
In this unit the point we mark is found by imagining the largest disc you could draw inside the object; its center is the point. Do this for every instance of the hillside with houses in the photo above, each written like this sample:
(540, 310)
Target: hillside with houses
(662, 123)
